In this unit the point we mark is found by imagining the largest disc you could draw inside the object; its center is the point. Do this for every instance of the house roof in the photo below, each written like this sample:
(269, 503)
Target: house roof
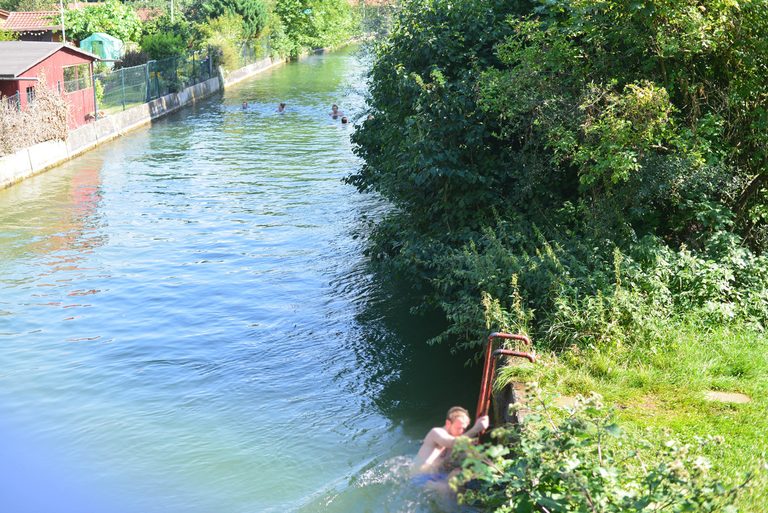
(16, 57)
(24, 20)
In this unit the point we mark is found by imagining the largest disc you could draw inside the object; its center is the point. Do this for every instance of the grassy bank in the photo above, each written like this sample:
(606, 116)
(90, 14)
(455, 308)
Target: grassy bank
(661, 388)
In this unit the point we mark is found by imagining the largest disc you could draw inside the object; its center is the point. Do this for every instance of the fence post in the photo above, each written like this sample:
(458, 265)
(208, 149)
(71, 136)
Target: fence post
(122, 82)
(146, 80)
(95, 98)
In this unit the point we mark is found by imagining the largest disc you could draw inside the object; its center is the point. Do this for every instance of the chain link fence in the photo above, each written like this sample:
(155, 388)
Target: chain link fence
(123, 88)
(252, 51)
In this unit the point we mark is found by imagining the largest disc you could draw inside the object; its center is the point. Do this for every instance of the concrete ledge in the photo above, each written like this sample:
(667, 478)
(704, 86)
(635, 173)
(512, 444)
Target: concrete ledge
(241, 74)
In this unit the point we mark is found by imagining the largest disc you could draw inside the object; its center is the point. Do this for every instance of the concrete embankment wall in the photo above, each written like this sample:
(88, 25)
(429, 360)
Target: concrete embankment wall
(40, 157)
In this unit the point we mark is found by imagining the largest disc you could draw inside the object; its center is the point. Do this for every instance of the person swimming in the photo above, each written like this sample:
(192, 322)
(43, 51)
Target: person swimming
(281, 107)
(344, 120)
(430, 467)
(245, 105)
(335, 112)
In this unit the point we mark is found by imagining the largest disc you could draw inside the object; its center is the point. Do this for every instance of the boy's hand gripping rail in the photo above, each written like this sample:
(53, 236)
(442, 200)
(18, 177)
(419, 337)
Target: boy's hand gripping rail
(489, 366)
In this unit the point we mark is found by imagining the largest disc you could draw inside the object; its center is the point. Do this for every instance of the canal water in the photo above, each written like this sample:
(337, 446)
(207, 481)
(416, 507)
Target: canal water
(188, 322)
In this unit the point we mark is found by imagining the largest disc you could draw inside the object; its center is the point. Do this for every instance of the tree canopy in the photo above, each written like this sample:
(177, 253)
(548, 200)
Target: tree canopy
(538, 153)
(111, 17)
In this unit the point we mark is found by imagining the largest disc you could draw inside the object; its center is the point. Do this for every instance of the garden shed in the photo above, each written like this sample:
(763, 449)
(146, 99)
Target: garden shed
(69, 70)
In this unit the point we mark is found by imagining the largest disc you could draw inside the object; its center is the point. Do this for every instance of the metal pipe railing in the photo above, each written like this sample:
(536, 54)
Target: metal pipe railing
(489, 366)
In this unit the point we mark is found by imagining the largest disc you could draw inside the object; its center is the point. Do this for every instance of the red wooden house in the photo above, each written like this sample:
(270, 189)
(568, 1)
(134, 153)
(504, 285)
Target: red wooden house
(69, 70)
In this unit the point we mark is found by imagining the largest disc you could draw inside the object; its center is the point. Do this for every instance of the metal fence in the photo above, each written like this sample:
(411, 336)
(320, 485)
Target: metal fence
(252, 51)
(125, 87)
(12, 101)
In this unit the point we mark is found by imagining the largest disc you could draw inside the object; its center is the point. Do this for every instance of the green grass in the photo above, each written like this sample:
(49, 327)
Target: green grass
(658, 387)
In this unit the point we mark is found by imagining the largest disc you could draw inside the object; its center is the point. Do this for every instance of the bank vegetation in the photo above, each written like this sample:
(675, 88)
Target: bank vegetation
(593, 174)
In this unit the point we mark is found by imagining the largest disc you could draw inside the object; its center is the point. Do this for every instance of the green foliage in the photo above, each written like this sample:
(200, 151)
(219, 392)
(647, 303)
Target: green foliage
(584, 462)
(224, 34)
(7, 35)
(660, 378)
(254, 13)
(162, 45)
(525, 145)
(110, 17)
(311, 24)
(162, 24)
(30, 5)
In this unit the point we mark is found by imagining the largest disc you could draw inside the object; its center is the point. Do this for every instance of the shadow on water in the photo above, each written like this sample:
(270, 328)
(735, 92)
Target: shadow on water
(407, 381)
(414, 383)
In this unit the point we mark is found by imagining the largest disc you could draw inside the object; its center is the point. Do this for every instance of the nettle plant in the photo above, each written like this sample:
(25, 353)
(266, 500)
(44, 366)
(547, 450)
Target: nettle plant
(583, 462)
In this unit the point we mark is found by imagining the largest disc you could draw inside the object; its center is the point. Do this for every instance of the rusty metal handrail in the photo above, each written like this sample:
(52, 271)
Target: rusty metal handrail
(489, 366)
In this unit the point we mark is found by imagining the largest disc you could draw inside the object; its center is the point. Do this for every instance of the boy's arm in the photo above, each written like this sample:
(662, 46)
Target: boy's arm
(481, 424)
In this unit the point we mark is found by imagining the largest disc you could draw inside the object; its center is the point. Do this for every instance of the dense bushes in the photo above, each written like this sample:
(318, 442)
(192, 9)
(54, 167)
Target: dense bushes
(572, 167)
(582, 461)
(162, 45)
(253, 13)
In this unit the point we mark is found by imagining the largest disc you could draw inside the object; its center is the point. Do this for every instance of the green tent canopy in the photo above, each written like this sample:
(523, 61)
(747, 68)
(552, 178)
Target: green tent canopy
(105, 46)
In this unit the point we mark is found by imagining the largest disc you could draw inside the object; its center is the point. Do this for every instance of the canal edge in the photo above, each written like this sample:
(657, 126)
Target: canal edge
(41, 157)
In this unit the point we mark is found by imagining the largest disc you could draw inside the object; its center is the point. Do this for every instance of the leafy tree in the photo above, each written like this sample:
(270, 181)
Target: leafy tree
(254, 13)
(110, 17)
(524, 145)
(162, 24)
(315, 23)
(224, 34)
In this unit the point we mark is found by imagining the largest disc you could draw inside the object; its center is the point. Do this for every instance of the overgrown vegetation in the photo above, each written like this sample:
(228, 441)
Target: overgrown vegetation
(44, 120)
(110, 17)
(288, 27)
(581, 461)
(308, 24)
(7, 35)
(592, 173)
(535, 152)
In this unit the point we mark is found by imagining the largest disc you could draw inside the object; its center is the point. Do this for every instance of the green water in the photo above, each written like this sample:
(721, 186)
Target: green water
(188, 322)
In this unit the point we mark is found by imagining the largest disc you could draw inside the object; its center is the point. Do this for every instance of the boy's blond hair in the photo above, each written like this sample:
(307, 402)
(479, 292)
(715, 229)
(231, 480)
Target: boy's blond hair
(456, 412)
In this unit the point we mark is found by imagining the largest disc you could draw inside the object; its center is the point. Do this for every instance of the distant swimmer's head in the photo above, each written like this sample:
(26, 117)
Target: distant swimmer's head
(245, 105)
(281, 107)
(344, 120)
(457, 421)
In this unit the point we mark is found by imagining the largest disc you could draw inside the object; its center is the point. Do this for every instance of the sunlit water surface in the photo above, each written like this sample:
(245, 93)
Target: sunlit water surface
(188, 324)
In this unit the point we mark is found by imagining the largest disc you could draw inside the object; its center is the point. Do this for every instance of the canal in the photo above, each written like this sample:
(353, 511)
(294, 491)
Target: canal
(188, 322)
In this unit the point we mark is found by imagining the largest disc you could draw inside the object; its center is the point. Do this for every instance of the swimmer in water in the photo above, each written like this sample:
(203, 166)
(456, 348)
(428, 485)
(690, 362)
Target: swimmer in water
(245, 105)
(281, 107)
(430, 465)
(335, 112)
(344, 120)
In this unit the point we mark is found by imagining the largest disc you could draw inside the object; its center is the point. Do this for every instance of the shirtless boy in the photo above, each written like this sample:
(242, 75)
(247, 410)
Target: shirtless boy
(436, 449)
